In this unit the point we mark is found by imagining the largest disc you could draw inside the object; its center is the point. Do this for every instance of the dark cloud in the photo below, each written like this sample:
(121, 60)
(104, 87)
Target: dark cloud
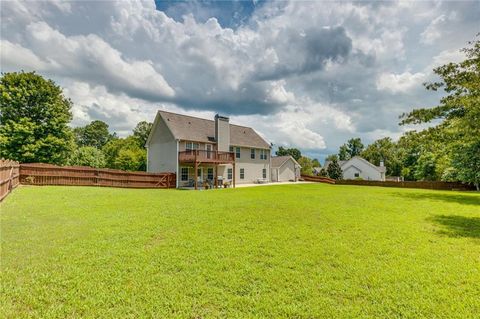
(302, 52)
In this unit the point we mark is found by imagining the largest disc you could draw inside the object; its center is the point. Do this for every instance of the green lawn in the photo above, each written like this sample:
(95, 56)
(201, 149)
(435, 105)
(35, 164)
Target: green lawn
(293, 251)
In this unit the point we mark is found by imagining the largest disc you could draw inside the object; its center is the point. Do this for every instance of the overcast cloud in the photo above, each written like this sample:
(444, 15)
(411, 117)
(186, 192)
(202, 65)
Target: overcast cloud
(303, 74)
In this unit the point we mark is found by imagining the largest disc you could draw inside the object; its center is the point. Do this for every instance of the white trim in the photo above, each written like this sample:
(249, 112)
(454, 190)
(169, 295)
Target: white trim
(147, 158)
(155, 122)
(289, 157)
(365, 161)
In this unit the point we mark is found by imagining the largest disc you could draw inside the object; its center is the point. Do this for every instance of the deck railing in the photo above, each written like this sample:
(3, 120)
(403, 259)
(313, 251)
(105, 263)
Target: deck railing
(191, 156)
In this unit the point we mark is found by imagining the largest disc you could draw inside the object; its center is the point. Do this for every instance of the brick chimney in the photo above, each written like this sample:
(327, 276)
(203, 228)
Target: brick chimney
(222, 133)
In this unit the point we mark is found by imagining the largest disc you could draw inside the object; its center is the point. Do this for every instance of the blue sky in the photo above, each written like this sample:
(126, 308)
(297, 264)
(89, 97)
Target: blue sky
(303, 74)
(230, 14)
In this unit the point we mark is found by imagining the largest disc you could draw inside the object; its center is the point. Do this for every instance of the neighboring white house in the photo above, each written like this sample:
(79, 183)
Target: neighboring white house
(284, 169)
(359, 168)
(203, 151)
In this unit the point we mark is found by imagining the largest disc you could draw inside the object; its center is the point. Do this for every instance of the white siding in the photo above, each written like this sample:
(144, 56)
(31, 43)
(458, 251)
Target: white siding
(162, 149)
(364, 170)
(286, 172)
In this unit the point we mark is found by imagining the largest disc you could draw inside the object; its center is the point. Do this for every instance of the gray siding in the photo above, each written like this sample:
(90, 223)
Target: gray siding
(162, 149)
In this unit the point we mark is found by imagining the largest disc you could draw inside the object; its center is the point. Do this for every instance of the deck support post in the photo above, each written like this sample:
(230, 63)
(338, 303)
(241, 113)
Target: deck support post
(233, 171)
(196, 171)
(216, 176)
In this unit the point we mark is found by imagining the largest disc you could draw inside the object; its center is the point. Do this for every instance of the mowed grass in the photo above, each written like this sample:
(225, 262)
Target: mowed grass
(293, 251)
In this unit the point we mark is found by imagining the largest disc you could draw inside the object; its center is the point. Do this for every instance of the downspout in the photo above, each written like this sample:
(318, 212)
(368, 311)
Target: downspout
(270, 164)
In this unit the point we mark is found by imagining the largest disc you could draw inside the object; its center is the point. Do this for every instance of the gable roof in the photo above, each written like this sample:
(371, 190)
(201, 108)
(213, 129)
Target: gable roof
(190, 128)
(278, 161)
(381, 169)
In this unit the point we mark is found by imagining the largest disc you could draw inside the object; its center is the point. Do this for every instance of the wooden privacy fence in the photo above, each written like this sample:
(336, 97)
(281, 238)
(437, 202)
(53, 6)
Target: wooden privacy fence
(47, 174)
(318, 179)
(412, 184)
(9, 177)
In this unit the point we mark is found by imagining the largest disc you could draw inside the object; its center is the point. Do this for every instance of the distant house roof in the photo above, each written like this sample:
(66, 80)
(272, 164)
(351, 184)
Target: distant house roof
(381, 169)
(189, 128)
(278, 161)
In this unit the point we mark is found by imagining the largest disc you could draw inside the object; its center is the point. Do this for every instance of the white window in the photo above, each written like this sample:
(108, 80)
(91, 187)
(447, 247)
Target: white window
(229, 173)
(263, 154)
(210, 173)
(231, 149)
(184, 174)
(252, 153)
(242, 173)
(191, 146)
(237, 152)
(264, 173)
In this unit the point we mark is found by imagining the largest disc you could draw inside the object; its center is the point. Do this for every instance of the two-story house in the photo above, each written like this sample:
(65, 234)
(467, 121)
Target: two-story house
(203, 151)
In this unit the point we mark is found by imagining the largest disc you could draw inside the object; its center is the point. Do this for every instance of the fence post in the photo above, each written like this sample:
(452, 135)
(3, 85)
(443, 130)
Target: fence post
(96, 177)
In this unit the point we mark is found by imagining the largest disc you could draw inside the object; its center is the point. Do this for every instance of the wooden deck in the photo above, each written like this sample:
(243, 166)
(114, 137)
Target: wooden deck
(215, 158)
(201, 156)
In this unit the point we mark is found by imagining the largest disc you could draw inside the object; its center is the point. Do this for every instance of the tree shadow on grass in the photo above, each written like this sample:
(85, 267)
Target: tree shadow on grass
(466, 199)
(458, 226)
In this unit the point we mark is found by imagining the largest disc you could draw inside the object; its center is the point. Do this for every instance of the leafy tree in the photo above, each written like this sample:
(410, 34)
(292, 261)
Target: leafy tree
(141, 132)
(387, 151)
(353, 147)
(126, 154)
(294, 152)
(94, 134)
(131, 159)
(334, 170)
(426, 167)
(458, 114)
(316, 163)
(307, 166)
(450, 174)
(343, 154)
(466, 162)
(331, 157)
(87, 156)
(323, 172)
(34, 117)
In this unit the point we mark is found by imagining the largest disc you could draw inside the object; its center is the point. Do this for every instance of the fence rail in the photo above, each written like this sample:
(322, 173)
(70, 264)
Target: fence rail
(412, 184)
(9, 177)
(46, 174)
(318, 179)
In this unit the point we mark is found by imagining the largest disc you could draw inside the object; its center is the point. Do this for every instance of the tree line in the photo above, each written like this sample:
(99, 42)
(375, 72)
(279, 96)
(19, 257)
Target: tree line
(34, 127)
